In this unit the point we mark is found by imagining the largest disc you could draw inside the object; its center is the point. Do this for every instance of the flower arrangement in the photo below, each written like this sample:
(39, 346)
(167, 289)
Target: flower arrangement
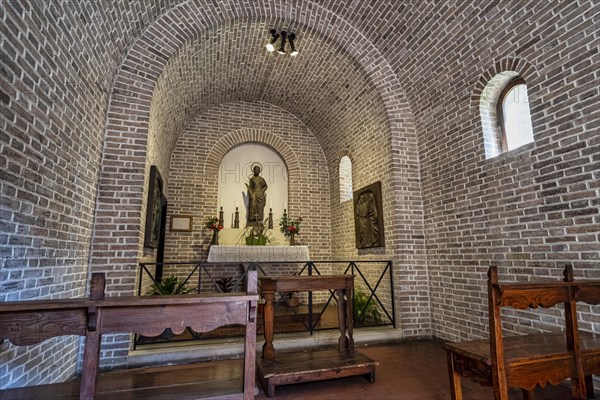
(212, 224)
(289, 226)
(256, 234)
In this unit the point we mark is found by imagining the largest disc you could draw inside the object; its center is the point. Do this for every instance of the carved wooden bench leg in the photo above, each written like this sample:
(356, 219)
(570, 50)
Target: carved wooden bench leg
(371, 375)
(270, 390)
(455, 389)
(91, 355)
(589, 387)
(528, 394)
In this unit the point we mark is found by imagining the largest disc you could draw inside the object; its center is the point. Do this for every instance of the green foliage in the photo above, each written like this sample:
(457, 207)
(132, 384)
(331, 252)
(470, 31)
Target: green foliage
(256, 235)
(226, 284)
(170, 285)
(364, 313)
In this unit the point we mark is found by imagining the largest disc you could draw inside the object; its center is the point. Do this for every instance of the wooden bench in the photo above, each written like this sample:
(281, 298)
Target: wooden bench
(31, 322)
(530, 360)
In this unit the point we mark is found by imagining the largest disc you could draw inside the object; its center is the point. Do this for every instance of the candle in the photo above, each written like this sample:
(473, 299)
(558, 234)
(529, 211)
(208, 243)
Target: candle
(237, 203)
(285, 205)
(271, 204)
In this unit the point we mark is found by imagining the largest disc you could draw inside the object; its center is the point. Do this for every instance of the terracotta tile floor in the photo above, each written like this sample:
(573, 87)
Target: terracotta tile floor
(407, 371)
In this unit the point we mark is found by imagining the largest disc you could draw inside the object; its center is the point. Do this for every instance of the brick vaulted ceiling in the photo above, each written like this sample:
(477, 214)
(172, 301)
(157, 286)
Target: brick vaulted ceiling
(324, 86)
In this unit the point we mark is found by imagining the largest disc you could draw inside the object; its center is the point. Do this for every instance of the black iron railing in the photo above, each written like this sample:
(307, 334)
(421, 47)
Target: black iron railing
(373, 286)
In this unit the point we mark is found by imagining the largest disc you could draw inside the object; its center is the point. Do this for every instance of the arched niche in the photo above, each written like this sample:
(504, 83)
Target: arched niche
(235, 171)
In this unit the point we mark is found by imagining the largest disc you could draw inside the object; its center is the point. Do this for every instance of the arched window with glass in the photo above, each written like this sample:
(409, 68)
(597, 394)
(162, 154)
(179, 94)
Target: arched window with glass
(514, 116)
(345, 171)
(505, 114)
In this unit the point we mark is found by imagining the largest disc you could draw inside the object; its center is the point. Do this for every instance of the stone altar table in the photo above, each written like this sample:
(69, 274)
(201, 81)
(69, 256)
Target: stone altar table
(249, 254)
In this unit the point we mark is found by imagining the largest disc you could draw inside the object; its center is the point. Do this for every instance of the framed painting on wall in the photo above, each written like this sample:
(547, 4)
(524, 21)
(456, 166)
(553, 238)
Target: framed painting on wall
(154, 209)
(368, 217)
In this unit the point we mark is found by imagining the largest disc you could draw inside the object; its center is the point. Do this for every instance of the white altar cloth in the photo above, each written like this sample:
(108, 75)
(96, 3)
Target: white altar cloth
(243, 254)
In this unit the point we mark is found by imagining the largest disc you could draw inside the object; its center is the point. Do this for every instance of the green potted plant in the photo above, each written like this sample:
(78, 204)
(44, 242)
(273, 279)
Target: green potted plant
(170, 285)
(256, 235)
(226, 284)
(365, 312)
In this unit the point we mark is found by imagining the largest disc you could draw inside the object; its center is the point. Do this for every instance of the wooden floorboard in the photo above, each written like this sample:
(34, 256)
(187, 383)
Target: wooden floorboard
(183, 382)
(406, 371)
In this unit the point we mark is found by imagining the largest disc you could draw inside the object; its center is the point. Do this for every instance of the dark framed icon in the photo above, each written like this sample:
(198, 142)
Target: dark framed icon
(154, 209)
(368, 217)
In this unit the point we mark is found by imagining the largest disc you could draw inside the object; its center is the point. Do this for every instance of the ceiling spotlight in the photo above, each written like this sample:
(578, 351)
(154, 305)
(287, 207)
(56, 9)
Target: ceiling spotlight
(282, 48)
(271, 45)
(282, 37)
(291, 38)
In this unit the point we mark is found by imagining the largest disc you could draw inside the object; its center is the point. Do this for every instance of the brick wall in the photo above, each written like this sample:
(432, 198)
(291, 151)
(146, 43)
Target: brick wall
(93, 93)
(356, 100)
(530, 210)
(57, 61)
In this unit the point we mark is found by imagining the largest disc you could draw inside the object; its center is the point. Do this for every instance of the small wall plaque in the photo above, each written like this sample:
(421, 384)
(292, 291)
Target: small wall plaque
(181, 223)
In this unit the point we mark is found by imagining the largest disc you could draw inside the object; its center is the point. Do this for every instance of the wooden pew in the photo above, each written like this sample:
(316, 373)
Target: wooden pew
(31, 322)
(530, 360)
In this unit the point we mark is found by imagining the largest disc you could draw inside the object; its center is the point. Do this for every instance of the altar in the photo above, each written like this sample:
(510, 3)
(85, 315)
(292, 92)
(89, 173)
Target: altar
(246, 254)
(232, 248)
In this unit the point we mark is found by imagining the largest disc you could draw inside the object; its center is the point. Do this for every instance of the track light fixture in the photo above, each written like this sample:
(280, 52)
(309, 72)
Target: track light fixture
(291, 38)
(271, 44)
(285, 36)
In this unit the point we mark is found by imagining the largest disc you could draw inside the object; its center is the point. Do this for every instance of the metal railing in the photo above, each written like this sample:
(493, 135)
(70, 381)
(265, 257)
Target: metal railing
(373, 286)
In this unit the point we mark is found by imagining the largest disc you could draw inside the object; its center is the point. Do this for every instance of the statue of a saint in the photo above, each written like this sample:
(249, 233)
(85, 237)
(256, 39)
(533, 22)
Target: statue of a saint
(257, 197)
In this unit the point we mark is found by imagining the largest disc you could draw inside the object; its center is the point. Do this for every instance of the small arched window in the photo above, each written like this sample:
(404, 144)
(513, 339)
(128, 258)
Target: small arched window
(345, 179)
(514, 117)
(505, 115)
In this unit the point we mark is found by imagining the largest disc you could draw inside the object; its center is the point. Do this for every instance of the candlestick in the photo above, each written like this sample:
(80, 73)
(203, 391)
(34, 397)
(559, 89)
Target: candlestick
(236, 220)
(270, 226)
(221, 216)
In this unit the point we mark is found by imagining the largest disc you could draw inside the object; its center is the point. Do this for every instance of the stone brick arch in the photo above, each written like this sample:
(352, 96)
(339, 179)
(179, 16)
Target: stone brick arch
(124, 163)
(518, 65)
(118, 245)
(486, 95)
(243, 136)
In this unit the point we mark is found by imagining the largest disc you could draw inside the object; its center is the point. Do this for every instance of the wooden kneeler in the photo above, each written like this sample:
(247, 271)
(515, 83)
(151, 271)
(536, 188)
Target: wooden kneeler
(310, 366)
